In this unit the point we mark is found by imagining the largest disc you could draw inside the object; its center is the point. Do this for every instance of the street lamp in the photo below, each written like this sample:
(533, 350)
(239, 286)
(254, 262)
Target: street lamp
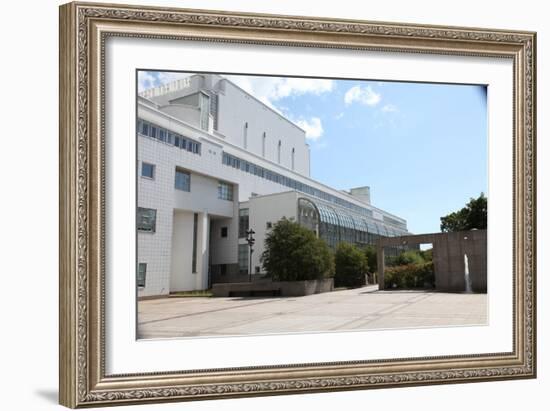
(250, 240)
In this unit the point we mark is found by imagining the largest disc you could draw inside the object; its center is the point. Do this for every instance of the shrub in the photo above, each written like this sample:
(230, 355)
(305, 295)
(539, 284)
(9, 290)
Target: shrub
(410, 276)
(372, 263)
(408, 257)
(294, 253)
(351, 266)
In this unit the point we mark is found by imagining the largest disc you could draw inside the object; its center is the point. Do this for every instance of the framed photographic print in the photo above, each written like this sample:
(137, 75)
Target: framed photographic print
(258, 204)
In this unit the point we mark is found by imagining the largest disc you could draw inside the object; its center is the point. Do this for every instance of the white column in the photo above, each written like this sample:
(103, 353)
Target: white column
(202, 251)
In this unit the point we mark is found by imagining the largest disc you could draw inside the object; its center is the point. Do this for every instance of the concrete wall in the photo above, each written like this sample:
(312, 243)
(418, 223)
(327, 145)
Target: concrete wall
(449, 250)
(449, 263)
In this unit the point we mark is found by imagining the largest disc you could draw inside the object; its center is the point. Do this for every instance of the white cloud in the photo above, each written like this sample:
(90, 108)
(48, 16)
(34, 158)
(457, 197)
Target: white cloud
(339, 116)
(390, 108)
(151, 79)
(271, 89)
(313, 127)
(146, 80)
(364, 95)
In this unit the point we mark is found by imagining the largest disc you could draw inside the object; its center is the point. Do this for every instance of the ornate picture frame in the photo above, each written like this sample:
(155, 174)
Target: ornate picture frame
(84, 29)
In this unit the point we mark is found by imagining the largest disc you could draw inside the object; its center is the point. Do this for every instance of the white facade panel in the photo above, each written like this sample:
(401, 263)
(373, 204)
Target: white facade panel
(182, 277)
(238, 109)
(265, 212)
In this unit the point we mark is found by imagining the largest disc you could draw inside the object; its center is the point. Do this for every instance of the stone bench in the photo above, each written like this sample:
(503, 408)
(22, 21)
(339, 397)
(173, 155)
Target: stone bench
(273, 288)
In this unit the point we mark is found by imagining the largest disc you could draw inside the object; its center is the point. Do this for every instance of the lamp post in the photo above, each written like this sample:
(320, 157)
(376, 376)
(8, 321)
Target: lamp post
(250, 240)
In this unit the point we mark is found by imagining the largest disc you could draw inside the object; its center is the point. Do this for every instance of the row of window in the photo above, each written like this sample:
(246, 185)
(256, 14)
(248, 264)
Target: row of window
(243, 165)
(159, 133)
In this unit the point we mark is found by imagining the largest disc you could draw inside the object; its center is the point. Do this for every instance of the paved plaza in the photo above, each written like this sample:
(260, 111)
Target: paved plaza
(357, 309)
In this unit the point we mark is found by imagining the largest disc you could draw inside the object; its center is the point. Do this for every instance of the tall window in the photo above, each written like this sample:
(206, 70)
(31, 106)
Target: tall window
(183, 180)
(292, 157)
(141, 273)
(243, 222)
(243, 258)
(279, 152)
(263, 145)
(146, 219)
(245, 135)
(225, 191)
(147, 170)
(195, 232)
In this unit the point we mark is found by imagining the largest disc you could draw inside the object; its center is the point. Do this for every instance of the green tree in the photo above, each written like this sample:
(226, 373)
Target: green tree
(372, 262)
(351, 266)
(409, 257)
(473, 215)
(294, 253)
(427, 255)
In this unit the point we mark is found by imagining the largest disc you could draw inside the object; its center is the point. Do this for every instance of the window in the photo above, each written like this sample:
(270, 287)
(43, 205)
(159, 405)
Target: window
(292, 157)
(183, 180)
(161, 134)
(279, 152)
(224, 232)
(225, 191)
(147, 170)
(193, 147)
(195, 232)
(269, 225)
(146, 219)
(243, 258)
(243, 222)
(263, 145)
(141, 273)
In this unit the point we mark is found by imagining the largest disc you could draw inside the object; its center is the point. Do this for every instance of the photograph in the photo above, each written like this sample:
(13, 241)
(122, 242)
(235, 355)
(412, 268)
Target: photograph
(274, 205)
(267, 203)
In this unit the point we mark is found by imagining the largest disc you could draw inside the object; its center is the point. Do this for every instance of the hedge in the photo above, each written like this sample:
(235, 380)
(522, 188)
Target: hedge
(351, 266)
(410, 276)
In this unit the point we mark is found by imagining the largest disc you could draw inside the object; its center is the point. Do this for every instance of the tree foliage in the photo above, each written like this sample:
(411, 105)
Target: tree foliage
(473, 215)
(351, 266)
(372, 262)
(294, 253)
(410, 276)
(408, 257)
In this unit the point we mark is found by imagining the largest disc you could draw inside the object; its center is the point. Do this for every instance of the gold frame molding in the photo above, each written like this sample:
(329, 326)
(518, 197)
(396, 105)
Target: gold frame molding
(84, 27)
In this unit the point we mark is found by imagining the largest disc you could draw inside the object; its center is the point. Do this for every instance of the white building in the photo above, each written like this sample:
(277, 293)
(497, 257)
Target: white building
(212, 162)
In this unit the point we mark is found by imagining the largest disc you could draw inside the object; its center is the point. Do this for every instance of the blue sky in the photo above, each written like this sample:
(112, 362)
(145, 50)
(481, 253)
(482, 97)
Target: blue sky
(422, 148)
